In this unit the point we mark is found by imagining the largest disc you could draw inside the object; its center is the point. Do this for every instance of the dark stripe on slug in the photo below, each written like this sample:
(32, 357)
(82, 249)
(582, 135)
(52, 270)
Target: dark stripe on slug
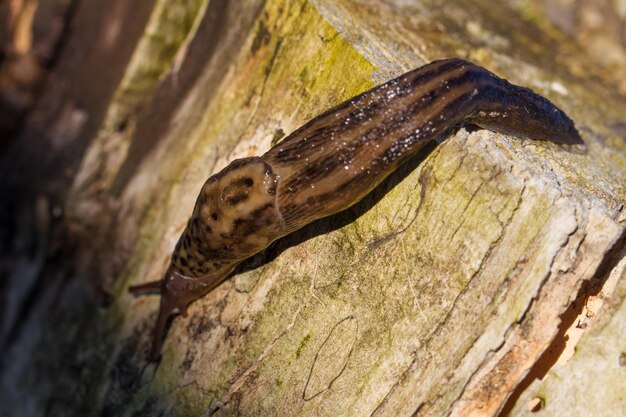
(387, 159)
(404, 86)
(391, 129)
(327, 162)
(424, 73)
(366, 105)
(419, 99)
(236, 199)
(244, 227)
(434, 126)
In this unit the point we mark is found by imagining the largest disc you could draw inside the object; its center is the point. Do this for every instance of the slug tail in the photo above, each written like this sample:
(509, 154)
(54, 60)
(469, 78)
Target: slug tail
(519, 111)
(166, 309)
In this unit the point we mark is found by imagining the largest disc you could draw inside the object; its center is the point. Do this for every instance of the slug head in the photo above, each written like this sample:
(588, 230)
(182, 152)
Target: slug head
(234, 217)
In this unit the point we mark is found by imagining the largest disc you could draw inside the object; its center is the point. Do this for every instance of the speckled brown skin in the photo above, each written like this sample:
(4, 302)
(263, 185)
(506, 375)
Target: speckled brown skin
(334, 161)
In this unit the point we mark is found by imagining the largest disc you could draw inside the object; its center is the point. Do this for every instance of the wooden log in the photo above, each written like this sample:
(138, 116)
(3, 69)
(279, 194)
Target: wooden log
(447, 291)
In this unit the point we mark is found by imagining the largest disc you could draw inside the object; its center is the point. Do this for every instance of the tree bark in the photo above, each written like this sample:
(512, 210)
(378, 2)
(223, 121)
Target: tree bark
(485, 277)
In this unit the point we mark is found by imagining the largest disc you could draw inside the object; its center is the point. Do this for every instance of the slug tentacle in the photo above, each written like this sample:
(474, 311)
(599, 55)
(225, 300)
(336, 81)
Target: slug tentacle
(335, 160)
(177, 292)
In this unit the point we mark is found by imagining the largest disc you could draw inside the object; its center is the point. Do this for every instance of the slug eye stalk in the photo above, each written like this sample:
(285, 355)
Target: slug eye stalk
(177, 292)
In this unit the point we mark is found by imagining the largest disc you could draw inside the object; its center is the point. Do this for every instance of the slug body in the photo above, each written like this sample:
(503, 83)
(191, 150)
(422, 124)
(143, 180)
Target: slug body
(334, 161)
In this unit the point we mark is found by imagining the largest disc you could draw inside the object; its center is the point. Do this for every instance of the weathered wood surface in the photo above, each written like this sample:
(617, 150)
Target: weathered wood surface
(446, 292)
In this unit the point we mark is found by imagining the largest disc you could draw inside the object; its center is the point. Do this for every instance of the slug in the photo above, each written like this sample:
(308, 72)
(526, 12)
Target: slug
(335, 160)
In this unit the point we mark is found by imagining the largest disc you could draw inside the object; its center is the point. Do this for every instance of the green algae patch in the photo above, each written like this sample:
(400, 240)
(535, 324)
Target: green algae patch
(171, 27)
(303, 343)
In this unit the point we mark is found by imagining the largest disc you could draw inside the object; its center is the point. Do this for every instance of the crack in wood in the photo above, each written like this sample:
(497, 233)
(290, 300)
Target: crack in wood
(240, 381)
(322, 375)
